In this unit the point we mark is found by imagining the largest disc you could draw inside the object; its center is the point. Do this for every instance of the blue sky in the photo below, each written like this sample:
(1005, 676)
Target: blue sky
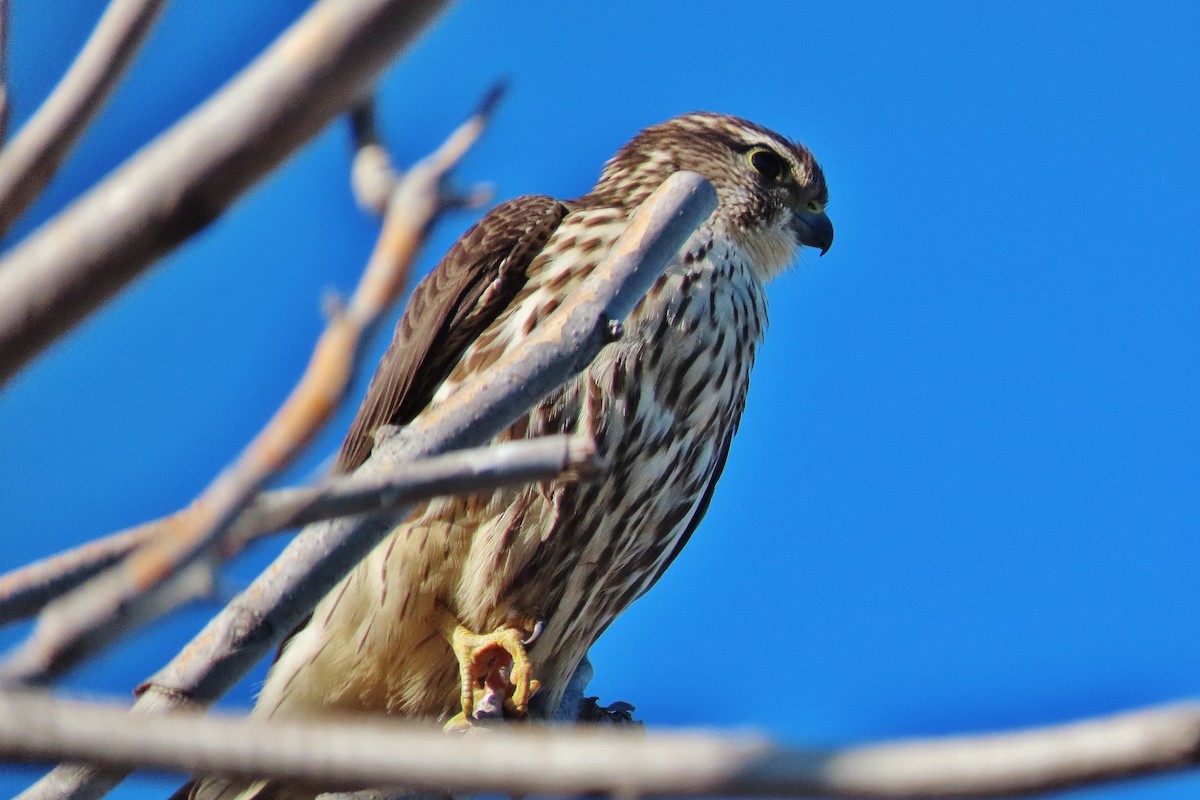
(966, 491)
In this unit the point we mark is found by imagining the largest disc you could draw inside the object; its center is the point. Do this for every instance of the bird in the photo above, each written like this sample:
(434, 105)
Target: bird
(500, 594)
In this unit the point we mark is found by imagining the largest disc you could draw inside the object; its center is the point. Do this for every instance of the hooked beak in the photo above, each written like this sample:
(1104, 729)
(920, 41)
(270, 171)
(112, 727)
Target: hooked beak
(814, 229)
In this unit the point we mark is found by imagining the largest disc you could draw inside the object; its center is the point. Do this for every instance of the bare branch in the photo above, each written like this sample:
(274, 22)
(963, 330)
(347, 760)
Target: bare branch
(92, 615)
(183, 180)
(24, 591)
(36, 152)
(460, 472)
(343, 754)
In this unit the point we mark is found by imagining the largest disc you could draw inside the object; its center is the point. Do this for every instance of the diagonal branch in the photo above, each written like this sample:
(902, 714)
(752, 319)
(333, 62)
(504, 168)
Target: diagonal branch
(25, 590)
(109, 604)
(567, 761)
(184, 179)
(36, 152)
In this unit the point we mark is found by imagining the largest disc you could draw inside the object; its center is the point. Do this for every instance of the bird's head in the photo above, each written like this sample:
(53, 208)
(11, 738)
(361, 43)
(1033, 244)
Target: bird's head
(771, 191)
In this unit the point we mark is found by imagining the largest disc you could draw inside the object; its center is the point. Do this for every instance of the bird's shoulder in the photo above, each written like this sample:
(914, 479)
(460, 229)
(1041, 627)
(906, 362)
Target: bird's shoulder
(472, 284)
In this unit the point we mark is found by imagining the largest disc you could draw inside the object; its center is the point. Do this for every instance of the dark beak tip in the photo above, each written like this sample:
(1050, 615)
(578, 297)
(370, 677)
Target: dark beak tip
(827, 244)
(824, 235)
(814, 230)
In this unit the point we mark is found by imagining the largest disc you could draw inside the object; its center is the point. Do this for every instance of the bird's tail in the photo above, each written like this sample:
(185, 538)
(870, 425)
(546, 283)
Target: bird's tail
(234, 789)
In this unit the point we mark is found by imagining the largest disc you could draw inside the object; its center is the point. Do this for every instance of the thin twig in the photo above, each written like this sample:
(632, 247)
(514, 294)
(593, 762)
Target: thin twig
(343, 754)
(24, 591)
(36, 152)
(183, 180)
(90, 616)
(562, 345)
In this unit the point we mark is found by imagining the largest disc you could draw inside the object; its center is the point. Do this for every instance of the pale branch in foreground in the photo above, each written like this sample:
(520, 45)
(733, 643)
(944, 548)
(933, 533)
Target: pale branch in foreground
(33, 156)
(110, 604)
(563, 760)
(183, 180)
(562, 345)
(23, 591)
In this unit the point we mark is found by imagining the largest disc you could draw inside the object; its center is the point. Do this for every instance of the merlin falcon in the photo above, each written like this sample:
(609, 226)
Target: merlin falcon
(505, 591)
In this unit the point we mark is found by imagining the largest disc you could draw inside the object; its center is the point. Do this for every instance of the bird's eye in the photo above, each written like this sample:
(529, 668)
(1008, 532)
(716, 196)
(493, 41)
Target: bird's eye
(814, 207)
(769, 164)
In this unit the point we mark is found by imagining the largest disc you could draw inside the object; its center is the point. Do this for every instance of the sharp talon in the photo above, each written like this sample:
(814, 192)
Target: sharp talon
(535, 633)
(494, 670)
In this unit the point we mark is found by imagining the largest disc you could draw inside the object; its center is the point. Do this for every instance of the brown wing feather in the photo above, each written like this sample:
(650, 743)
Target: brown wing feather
(467, 290)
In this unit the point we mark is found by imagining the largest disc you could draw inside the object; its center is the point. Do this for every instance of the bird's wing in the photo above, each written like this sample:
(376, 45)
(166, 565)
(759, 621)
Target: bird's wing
(465, 293)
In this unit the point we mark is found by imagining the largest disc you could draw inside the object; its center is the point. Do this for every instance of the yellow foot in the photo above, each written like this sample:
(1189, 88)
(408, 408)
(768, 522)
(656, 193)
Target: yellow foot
(494, 670)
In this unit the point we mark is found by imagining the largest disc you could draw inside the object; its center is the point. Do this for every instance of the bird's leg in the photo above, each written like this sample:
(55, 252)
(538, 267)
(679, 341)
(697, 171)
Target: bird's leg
(489, 663)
